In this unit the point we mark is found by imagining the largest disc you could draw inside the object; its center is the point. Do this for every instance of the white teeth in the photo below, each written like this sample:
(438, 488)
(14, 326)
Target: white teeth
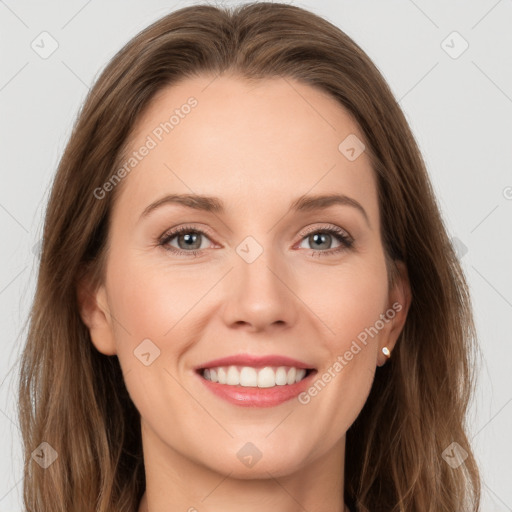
(221, 375)
(292, 373)
(301, 373)
(281, 378)
(233, 376)
(266, 378)
(247, 376)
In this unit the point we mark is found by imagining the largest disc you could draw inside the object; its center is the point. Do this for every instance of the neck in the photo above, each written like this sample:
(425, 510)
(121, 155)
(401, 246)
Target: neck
(176, 482)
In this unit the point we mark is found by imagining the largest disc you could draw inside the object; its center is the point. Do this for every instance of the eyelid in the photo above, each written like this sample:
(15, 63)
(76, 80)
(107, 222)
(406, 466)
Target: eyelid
(186, 227)
(346, 238)
(208, 231)
(327, 226)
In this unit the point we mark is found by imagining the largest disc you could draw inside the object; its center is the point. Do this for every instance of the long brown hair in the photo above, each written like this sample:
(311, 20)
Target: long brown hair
(74, 398)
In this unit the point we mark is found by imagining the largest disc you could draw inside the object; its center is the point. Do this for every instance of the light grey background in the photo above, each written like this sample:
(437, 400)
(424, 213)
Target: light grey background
(460, 110)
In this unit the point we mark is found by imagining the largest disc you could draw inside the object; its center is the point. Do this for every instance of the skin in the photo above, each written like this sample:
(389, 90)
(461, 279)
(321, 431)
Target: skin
(257, 147)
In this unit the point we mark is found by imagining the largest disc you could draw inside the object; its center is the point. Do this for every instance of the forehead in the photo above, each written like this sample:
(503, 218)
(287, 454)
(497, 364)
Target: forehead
(255, 144)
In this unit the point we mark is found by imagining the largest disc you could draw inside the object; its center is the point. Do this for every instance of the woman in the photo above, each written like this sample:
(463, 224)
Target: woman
(191, 347)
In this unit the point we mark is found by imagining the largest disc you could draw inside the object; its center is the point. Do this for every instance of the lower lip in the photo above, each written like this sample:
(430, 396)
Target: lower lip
(258, 397)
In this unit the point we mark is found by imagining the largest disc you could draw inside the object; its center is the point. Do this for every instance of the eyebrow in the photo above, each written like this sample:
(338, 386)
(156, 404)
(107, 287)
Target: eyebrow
(215, 205)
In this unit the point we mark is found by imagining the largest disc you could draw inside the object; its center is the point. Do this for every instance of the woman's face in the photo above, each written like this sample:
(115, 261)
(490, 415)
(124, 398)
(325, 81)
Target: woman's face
(263, 276)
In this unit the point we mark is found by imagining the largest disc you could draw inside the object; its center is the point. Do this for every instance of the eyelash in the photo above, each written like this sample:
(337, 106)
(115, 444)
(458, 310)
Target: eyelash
(339, 234)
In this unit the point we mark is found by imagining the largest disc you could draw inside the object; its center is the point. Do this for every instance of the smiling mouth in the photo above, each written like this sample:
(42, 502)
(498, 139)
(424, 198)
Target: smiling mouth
(249, 376)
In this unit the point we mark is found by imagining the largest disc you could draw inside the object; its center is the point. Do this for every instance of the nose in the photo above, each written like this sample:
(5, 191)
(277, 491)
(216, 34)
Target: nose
(259, 295)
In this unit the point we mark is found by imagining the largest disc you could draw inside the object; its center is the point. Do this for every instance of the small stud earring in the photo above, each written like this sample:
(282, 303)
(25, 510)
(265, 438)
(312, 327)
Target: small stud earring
(386, 352)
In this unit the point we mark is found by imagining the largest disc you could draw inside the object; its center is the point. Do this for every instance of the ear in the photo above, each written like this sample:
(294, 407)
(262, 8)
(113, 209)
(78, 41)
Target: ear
(399, 301)
(93, 308)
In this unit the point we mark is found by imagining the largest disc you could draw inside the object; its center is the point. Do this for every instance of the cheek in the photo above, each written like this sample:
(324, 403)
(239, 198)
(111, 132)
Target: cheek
(151, 301)
(352, 312)
(151, 298)
(347, 300)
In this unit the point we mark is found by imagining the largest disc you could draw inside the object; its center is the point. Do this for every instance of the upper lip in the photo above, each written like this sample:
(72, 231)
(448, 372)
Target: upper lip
(253, 360)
